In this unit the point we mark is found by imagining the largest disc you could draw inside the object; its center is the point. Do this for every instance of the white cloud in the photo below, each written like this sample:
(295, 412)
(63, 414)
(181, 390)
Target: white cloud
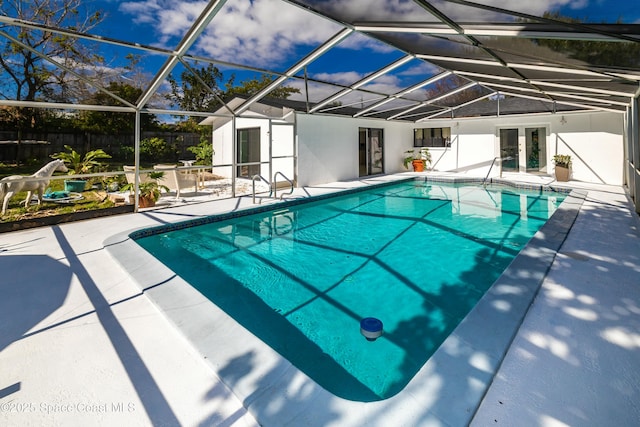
(143, 12)
(425, 69)
(260, 32)
(344, 78)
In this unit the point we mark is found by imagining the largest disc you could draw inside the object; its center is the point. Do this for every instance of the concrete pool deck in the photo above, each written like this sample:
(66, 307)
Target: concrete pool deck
(82, 345)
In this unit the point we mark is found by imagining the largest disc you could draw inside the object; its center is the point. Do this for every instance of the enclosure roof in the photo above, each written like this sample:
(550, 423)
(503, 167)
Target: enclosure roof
(400, 60)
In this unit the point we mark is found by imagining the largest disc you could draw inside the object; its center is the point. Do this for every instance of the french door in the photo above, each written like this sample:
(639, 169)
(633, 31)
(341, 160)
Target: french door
(523, 149)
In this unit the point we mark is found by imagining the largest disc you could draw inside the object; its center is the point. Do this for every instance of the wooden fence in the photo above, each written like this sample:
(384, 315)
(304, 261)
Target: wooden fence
(39, 146)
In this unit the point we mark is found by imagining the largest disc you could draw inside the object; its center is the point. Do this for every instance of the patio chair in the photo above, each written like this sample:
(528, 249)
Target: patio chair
(130, 174)
(175, 180)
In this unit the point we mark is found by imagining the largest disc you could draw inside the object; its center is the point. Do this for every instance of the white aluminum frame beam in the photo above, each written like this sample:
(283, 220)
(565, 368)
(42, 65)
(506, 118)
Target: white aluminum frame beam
(66, 106)
(431, 101)
(185, 44)
(404, 92)
(449, 110)
(581, 88)
(573, 104)
(364, 81)
(321, 50)
(513, 31)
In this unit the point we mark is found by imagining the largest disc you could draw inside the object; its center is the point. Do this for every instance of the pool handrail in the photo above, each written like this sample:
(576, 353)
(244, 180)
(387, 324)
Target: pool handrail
(253, 179)
(275, 185)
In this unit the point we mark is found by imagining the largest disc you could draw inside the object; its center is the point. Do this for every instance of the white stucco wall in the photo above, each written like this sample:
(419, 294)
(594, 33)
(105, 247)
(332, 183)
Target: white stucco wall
(282, 146)
(328, 145)
(594, 141)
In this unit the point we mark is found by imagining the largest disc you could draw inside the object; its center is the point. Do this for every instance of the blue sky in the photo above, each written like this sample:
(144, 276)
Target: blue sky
(262, 32)
(272, 34)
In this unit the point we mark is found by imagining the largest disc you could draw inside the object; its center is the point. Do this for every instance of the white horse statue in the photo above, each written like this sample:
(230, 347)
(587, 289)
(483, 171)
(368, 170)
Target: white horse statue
(13, 184)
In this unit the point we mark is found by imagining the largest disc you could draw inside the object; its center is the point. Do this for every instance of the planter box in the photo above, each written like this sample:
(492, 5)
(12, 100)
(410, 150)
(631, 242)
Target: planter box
(74, 186)
(62, 218)
(562, 174)
(143, 202)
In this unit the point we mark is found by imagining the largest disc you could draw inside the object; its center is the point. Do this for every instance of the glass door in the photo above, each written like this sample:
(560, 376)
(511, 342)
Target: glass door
(536, 149)
(509, 150)
(248, 152)
(370, 151)
(524, 149)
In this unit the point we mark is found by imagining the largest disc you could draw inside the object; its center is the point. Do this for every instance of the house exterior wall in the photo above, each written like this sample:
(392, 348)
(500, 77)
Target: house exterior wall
(282, 140)
(328, 145)
(594, 141)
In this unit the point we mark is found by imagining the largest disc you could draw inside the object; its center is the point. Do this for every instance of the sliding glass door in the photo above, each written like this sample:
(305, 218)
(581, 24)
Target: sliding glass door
(370, 151)
(248, 152)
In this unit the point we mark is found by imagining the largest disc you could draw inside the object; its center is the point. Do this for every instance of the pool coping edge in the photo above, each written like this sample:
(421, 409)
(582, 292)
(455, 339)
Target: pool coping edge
(461, 352)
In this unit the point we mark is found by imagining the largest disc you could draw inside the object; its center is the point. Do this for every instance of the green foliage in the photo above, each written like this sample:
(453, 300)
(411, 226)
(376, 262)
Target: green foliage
(157, 149)
(253, 86)
(203, 152)
(449, 84)
(92, 200)
(191, 95)
(127, 153)
(107, 122)
(148, 189)
(79, 164)
(563, 160)
(422, 154)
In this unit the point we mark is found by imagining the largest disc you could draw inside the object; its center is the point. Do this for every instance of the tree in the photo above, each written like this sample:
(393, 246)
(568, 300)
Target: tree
(253, 86)
(103, 122)
(191, 95)
(449, 84)
(26, 76)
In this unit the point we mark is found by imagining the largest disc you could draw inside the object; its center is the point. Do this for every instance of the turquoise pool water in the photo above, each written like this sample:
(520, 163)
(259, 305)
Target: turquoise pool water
(416, 255)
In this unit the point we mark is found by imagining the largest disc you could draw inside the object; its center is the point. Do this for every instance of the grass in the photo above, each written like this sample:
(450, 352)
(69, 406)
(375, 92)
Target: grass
(92, 200)
(16, 211)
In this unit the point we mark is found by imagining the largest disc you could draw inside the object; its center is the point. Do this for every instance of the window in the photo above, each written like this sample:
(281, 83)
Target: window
(432, 137)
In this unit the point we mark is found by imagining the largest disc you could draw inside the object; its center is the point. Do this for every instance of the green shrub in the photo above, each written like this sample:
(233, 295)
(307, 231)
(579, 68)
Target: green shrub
(203, 152)
(79, 164)
(157, 149)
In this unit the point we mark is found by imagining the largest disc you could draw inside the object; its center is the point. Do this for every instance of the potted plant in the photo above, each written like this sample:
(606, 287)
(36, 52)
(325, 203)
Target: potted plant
(419, 159)
(78, 164)
(563, 166)
(149, 191)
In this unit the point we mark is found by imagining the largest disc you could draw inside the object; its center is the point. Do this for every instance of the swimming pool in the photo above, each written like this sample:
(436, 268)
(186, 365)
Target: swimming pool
(417, 255)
